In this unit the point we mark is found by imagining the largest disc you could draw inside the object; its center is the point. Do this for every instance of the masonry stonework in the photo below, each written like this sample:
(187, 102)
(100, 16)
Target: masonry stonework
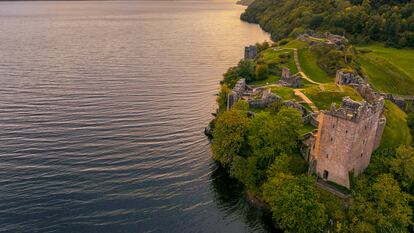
(346, 138)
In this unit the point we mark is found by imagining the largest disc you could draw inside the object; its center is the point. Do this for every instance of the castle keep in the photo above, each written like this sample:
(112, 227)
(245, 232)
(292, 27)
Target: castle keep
(346, 138)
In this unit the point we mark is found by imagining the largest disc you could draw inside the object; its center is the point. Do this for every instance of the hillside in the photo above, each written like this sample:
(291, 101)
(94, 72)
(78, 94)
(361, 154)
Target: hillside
(388, 69)
(389, 21)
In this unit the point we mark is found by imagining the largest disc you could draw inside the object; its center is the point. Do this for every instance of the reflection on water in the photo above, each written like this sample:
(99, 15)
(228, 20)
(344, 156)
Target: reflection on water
(103, 106)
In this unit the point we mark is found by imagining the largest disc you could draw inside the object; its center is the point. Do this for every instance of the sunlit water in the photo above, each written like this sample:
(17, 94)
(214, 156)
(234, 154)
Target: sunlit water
(102, 108)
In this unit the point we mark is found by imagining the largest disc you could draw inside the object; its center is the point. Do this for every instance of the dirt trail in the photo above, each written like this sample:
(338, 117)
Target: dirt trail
(299, 93)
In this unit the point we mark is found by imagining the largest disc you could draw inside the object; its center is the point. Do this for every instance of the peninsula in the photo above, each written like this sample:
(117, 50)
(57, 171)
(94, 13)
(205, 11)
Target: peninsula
(318, 126)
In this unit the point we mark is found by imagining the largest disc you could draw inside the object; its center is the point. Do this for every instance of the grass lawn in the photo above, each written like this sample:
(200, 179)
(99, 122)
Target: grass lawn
(271, 79)
(389, 69)
(310, 67)
(317, 39)
(386, 77)
(286, 93)
(396, 130)
(332, 94)
(296, 44)
(403, 59)
(305, 83)
(271, 55)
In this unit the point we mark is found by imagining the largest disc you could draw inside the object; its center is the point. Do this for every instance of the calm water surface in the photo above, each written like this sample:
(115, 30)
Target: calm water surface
(102, 107)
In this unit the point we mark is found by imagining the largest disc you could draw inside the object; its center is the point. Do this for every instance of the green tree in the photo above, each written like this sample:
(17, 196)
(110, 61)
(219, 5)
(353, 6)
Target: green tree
(222, 97)
(241, 105)
(262, 71)
(294, 203)
(381, 207)
(276, 106)
(246, 69)
(230, 77)
(402, 166)
(410, 122)
(229, 135)
(270, 135)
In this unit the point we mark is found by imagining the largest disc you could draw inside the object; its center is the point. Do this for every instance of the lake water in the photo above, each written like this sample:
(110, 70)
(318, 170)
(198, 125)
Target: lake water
(102, 110)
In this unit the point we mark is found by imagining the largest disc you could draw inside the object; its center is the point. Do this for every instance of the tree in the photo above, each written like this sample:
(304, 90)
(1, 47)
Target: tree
(262, 71)
(275, 106)
(294, 203)
(269, 135)
(381, 207)
(230, 77)
(402, 166)
(263, 46)
(410, 122)
(222, 97)
(229, 135)
(245, 170)
(246, 69)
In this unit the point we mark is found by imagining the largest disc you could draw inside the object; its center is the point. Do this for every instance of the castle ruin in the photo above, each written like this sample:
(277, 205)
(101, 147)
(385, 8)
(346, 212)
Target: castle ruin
(346, 138)
(250, 52)
(347, 78)
(288, 80)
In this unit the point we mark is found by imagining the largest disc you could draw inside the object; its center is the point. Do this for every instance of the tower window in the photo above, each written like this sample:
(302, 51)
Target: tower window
(346, 131)
(361, 155)
(327, 156)
(331, 139)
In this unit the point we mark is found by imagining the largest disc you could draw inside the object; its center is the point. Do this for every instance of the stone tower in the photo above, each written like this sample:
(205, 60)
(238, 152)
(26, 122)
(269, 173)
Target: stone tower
(346, 138)
(250, 52)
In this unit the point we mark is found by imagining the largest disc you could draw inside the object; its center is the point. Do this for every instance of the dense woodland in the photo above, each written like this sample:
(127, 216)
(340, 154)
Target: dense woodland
(361, 21)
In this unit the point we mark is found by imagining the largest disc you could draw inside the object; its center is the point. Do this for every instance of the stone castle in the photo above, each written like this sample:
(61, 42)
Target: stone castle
(347, 136)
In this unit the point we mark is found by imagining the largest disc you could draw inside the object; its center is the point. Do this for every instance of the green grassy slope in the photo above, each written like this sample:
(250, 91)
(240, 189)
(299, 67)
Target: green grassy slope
(271, 55)
(311, 68)
(389, 69)
(286, 93)
(331, 94)
(396, 130)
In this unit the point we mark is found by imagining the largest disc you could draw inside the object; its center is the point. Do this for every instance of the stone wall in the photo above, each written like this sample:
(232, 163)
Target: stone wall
(346, 138)
(406, 103)
(250, 52)
(346, 78)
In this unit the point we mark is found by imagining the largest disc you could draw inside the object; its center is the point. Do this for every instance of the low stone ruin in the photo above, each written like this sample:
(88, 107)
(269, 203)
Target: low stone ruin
(237, 92)
(288, 80)
(257, 97)
(265, 99)
(327, 38)
(347, 78)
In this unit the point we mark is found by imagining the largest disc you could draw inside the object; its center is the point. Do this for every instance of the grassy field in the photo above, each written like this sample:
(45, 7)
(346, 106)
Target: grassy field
(286, 93)
(296, 44)
(323, 99)
(271, 55)
(310, 67)
(271, 79)
(389, 69)
(396, 130)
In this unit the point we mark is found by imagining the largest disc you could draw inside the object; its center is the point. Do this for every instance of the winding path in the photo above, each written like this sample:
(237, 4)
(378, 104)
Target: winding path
(299, 93)
(300, 71)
